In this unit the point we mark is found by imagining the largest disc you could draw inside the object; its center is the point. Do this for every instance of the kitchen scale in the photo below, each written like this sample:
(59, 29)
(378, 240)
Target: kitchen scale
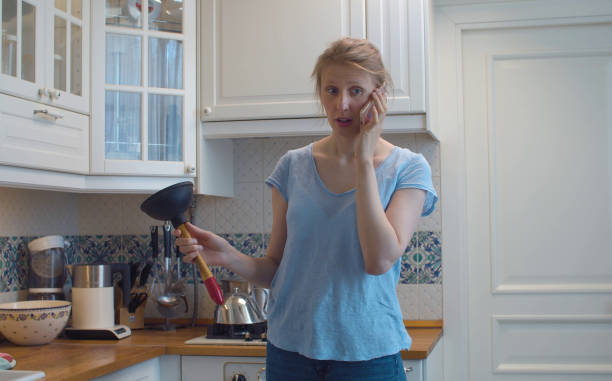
(117, 332)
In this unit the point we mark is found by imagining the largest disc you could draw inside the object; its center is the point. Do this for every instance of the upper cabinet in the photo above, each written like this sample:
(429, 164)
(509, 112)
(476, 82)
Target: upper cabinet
(144, 88)
(257, 56)
(45, 52)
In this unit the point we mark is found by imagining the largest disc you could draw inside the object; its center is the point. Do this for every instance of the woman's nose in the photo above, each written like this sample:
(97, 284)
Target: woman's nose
(343, 102)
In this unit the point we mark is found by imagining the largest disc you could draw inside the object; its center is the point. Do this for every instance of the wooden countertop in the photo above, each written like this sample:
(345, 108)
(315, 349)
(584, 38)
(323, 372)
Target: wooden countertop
(75, 360)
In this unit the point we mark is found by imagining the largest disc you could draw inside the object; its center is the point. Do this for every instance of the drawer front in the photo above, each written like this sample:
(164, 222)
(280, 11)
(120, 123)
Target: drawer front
(414, 370)
(43, 137)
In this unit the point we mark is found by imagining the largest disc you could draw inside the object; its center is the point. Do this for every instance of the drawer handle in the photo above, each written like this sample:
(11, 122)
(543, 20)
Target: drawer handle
(408, 369)
(45, 114)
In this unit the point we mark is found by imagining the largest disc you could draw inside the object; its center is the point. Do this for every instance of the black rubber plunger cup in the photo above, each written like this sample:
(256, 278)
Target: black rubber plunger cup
(170, 204)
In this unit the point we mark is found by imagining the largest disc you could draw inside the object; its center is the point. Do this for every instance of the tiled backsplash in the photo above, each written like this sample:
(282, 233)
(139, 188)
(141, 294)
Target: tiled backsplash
(111, 228)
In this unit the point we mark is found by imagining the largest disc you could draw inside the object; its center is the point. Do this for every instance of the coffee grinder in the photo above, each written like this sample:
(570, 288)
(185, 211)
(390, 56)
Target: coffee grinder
(47, 268)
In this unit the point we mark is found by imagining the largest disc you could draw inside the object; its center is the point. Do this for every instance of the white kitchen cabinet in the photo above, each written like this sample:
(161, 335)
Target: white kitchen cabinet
(144, 371)
(256, 60)
(45, 52)
(216, 368)
(144, 91)
(38, 136)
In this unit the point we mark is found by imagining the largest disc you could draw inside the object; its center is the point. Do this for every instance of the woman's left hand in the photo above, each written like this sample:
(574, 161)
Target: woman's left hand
(371, 130)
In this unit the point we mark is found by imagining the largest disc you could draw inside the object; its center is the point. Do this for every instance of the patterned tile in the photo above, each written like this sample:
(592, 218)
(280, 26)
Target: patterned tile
(410, 263)
(430, 302)
(430, 267)
(408, 296)
(13, 259)
(35, 212)
(71, 248)
(248, 159)
(100, 249)
(243, 213)
(136, 247)
(204, 215)
(275, 148)
(402, 140)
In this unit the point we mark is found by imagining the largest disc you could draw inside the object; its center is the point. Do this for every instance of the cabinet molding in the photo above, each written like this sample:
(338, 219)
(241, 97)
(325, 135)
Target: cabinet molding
(302, 127)
(15, 177)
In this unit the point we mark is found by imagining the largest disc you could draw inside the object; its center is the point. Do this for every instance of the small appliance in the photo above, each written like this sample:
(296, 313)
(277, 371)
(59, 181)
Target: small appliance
(47, 268)
(93, 310)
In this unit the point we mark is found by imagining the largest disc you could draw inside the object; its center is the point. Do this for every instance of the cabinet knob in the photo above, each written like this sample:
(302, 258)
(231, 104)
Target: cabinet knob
(207, 111)
(42, 93)
(190, 168)
(54, 94)
(408, 369)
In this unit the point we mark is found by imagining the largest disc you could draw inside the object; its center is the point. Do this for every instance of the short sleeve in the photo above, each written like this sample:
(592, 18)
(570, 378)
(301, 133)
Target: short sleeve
(417, 174)
(280, 175)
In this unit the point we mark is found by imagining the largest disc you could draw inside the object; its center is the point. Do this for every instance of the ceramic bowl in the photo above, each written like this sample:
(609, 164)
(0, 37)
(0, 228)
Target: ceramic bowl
(33, 322)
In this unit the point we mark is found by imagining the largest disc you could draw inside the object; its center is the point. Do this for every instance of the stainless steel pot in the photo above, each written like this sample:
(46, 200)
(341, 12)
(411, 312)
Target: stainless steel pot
(239, 308)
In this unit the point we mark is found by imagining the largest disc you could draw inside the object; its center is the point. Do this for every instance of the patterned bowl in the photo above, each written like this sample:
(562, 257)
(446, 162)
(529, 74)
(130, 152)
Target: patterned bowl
(33, 322)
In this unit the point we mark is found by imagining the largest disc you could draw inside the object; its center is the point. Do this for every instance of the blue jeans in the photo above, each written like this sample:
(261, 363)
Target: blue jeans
(282, 365)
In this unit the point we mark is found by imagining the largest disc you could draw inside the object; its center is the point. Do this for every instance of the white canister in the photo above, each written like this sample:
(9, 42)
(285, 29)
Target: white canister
(93, 295)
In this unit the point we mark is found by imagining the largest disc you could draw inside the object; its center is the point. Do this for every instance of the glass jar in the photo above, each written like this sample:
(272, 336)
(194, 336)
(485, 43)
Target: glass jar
(47, 268)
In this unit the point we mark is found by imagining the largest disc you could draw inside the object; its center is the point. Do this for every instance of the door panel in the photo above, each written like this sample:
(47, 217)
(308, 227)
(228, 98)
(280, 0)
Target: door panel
(538, 119)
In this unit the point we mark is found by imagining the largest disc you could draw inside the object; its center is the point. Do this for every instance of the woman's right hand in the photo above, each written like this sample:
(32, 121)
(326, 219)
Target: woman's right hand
(214, 249)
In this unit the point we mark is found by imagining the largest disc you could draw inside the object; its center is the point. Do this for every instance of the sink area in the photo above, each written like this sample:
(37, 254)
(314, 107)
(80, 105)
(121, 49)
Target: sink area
(21, 375)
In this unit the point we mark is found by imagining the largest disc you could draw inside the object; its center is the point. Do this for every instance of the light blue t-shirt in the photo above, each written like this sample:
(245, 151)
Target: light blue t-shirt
(323, 304)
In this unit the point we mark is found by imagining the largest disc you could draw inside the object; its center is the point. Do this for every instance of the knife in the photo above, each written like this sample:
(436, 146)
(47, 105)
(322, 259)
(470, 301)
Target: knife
(154, 243)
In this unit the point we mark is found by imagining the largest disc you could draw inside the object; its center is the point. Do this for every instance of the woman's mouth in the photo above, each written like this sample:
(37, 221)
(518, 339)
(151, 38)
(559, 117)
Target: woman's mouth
(344, 122)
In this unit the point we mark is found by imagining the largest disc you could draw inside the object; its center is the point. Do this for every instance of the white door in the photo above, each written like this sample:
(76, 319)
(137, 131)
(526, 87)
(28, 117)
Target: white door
(538, 147)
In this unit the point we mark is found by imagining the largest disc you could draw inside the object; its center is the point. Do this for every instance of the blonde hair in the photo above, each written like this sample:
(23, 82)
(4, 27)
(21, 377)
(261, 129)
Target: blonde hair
(361, 54)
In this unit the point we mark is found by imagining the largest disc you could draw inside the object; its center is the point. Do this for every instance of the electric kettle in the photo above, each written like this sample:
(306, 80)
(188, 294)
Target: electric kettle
(93, 294)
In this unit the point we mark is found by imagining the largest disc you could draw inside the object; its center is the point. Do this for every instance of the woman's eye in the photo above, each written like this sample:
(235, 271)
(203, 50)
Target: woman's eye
(331, 90)
(357, 91)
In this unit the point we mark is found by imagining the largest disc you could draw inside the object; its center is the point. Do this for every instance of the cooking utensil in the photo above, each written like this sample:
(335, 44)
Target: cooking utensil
(144, 274)
(169, 204)
(239, 308)
(136, 299)
(154, 242)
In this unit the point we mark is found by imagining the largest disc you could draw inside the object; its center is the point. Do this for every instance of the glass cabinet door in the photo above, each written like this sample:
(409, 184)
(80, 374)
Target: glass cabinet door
(19, 55)
(45, 54)
(68, 47)
(144, 85)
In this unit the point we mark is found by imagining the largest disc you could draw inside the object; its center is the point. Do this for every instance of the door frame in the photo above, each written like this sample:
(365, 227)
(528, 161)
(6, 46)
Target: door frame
(450, 20)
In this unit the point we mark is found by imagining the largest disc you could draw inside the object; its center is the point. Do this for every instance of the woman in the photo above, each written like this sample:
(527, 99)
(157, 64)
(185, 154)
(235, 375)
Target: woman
(345, 208)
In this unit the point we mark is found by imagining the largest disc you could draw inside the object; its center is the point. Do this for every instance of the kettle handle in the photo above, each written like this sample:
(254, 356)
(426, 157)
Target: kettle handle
(124, 269)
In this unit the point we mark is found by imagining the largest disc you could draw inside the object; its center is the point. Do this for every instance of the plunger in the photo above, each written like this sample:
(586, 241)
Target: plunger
(170, 204)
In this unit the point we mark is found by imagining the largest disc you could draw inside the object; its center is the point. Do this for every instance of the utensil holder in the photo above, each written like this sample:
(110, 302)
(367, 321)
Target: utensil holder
(134, 320)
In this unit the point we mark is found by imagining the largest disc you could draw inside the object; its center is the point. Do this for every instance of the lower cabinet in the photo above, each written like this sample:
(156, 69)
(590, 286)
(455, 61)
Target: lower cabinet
(217, 368)
(163, 368)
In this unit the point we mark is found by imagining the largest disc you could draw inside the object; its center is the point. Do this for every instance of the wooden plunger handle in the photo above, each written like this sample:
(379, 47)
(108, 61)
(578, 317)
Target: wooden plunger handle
(209, 281)
(202, 266)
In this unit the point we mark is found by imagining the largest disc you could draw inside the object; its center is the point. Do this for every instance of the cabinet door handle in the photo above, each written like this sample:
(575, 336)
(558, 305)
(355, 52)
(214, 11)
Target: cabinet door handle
(54, 94)
(45, 114)
(408, 369)
(259, 373)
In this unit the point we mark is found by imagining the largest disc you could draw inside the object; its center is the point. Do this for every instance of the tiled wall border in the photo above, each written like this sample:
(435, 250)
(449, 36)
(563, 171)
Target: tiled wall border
(421, 263)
